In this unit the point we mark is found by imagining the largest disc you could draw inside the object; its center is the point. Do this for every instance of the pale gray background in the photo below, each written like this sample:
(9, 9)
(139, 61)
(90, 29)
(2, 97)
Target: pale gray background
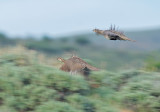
(60, 17)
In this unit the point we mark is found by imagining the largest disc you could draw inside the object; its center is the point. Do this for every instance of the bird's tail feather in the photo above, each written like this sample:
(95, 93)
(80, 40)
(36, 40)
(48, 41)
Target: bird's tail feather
(131, 40)
(92, 68)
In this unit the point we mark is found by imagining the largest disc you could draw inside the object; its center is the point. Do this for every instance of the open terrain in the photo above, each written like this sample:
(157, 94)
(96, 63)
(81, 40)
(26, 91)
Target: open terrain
(129, 80)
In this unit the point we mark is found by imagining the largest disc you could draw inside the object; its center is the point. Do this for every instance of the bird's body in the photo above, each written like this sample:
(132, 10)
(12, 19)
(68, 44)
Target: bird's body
(76, 65)
(112, 34)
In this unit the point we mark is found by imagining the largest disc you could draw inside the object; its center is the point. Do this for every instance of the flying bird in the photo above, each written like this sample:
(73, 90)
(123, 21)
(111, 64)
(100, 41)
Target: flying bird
(76, 65)
(112, 34)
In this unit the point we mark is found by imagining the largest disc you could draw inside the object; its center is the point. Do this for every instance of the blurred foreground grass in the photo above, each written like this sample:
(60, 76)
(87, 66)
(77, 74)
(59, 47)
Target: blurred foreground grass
(32, 82)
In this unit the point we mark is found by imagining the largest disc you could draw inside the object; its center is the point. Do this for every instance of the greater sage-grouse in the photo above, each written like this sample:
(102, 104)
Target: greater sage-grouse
(112, 34)
(76, 65)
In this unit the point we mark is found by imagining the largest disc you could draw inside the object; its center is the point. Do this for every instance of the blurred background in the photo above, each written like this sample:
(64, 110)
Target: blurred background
(33, 34)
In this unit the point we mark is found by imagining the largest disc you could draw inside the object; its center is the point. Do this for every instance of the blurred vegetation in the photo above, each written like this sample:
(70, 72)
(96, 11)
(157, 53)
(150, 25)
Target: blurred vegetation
(28, 83)
(30, 80)
(82, 40)
(84, 46)
(153, 62)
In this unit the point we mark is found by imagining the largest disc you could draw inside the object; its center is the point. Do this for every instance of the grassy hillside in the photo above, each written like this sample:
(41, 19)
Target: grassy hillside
(129, 80)
(108, 55)
(30, 82)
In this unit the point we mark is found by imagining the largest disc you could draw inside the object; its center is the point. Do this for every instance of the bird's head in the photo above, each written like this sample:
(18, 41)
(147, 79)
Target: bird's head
(60, 59)
(95, 30)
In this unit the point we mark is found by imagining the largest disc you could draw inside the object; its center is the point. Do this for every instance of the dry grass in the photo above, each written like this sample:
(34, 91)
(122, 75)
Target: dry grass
(31, 54)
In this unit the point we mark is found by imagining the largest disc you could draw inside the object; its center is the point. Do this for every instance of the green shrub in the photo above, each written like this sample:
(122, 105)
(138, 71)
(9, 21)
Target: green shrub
(55, 106)
(29, 97)
(82, 40)
(142, 92)
(152, 62)
(81, 102)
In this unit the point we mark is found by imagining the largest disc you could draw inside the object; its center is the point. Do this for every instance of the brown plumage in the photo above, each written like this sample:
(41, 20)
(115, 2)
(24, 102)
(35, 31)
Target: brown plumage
(76, 64)
(112, 34)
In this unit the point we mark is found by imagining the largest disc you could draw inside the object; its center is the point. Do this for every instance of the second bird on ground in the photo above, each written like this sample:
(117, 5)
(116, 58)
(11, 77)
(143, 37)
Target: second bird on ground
(76, 65)
(112, 34)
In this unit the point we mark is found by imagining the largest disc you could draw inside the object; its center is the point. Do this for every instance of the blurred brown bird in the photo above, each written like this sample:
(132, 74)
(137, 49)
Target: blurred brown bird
(112, 34)
(76, 65)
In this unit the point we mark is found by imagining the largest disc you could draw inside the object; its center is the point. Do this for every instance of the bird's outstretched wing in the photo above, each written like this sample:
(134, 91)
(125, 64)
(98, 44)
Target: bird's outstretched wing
(79, 62)
(115, 35)
(111, 35)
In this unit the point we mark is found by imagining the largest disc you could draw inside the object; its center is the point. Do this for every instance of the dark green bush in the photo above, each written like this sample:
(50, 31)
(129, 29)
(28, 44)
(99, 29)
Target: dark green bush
(82, 40)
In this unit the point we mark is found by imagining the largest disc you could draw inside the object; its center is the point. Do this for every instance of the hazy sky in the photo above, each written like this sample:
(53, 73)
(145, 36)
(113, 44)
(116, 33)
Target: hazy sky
(59, 17)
